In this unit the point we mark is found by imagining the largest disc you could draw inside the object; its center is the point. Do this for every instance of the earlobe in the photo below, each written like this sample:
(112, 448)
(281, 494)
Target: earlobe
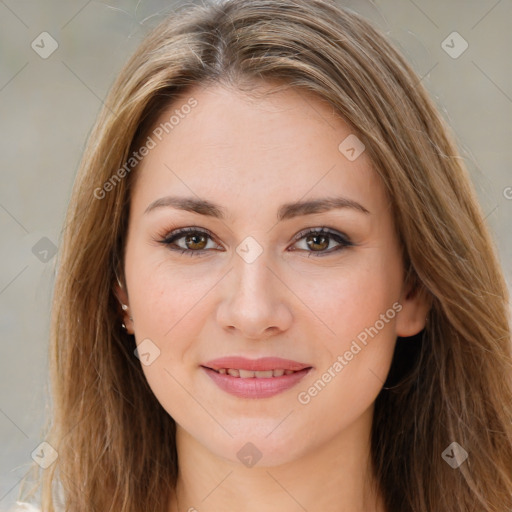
(416, 302)
(122, 297)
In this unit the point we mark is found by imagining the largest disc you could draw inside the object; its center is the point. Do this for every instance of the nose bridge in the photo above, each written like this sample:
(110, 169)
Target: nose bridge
(254, 302)
(252, 277)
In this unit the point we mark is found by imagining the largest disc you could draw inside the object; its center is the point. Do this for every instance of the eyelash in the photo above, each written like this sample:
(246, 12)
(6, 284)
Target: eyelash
(170, 238)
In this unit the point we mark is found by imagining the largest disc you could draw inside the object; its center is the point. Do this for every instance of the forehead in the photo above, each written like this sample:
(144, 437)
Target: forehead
(218, 142)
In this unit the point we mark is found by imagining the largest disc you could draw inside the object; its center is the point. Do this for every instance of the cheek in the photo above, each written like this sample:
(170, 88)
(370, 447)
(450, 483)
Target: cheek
(170, 310)
(352, 368)
(351, 297)
(171, 307)
(164, 294)
(358, 309)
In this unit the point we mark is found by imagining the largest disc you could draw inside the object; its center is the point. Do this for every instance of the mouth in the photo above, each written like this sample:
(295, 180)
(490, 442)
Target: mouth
(260, 378)
(248, 374)
(264, 367)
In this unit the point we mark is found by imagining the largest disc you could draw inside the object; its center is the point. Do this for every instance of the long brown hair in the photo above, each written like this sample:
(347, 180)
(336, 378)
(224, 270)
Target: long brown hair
(452, 383)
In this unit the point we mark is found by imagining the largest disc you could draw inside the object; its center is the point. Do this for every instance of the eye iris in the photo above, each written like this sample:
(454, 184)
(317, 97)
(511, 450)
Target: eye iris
(316, 237)
(195, 236)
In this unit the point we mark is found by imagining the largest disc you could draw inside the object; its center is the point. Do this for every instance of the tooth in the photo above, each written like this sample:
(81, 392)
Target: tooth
(246, 374)
(264, 374)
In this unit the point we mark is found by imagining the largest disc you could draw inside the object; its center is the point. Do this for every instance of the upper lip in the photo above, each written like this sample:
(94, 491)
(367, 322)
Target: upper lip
(262, 364)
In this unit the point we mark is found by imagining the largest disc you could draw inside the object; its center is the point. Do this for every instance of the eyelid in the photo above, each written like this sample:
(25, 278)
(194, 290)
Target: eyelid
(323, 230)
(177, 233)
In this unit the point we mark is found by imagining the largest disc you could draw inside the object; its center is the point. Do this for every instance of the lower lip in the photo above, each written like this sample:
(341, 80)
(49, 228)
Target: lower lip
(255, 387)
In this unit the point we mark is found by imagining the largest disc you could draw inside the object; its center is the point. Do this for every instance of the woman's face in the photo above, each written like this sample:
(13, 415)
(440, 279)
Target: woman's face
(249, 281)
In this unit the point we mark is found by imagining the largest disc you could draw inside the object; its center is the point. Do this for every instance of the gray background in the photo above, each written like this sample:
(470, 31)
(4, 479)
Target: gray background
(48, 106)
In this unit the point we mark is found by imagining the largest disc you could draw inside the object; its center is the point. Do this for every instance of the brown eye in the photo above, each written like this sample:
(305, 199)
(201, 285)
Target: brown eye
(318, 240)
(194, 242)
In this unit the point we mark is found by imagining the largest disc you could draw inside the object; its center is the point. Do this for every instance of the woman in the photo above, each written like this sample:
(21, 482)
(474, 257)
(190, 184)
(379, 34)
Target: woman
(338, 339)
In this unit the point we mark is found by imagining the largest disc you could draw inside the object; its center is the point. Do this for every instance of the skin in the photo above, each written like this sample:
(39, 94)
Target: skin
(251, 156)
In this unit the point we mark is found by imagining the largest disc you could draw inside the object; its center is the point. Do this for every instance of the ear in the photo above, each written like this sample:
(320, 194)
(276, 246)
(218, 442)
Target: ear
(120, 292)
(416, 302)
(122, 297)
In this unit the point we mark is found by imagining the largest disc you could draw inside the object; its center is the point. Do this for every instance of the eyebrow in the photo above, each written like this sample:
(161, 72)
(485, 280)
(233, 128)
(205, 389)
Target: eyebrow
(285, 212)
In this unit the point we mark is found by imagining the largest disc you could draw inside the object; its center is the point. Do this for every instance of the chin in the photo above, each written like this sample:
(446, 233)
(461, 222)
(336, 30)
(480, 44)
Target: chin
(255, 449)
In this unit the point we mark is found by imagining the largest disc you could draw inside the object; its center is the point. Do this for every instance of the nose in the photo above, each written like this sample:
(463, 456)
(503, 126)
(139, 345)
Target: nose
(255, 300)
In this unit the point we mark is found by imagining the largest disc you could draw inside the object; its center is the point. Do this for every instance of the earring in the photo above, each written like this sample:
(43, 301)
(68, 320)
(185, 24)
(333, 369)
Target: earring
(124, 307)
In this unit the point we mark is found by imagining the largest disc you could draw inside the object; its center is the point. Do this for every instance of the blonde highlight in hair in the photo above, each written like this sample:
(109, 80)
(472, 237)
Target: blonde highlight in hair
(451, 383)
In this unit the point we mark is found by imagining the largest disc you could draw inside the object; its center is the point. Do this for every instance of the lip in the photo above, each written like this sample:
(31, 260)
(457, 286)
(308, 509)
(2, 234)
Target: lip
(255, 387)
(261, 364)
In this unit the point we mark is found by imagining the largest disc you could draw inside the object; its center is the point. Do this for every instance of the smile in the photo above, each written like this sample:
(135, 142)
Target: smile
(255, 384)
(248, 374)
